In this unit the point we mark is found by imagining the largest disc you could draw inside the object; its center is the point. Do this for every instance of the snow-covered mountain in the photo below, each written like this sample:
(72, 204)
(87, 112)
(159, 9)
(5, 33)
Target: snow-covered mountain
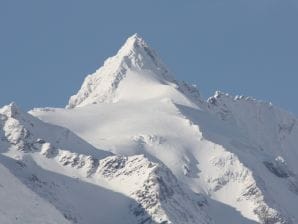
(134, 145)
(135, 69)
(59, 178)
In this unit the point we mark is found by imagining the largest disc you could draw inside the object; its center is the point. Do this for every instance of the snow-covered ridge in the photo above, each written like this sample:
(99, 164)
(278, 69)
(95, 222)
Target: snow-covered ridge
(134, 55)
(156, 189)
(23, 130)
(268, 127)
(155, 192)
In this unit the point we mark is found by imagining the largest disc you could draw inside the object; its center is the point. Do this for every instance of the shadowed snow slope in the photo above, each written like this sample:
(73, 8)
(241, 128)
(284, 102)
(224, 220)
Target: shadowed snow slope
(60, 178)
(177, 158)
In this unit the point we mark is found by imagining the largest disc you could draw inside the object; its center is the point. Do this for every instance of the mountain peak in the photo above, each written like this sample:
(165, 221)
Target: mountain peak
(135, 73)
(10, 110)
(135, 57)
(134, 42)
(137, 54)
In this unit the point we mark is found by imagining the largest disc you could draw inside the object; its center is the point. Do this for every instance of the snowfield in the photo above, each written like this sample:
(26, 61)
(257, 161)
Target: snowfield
(134, 145)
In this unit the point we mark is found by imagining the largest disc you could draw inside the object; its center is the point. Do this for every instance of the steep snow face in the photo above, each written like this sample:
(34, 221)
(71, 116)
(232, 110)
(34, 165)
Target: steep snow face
(268, 147)
(21, 205)
(199, 149)
(155, 188)
(24, 132)
(272, 131)
(72, 182)
(134, 73)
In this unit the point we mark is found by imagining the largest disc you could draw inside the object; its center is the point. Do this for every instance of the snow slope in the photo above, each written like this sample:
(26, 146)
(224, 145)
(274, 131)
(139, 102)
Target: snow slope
(20, 205)
(151, 150)
(136, 68)
(239, 153)
(62, 179)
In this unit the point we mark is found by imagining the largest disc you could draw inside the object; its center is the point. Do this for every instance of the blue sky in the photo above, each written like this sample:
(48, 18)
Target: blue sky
(240, 47)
